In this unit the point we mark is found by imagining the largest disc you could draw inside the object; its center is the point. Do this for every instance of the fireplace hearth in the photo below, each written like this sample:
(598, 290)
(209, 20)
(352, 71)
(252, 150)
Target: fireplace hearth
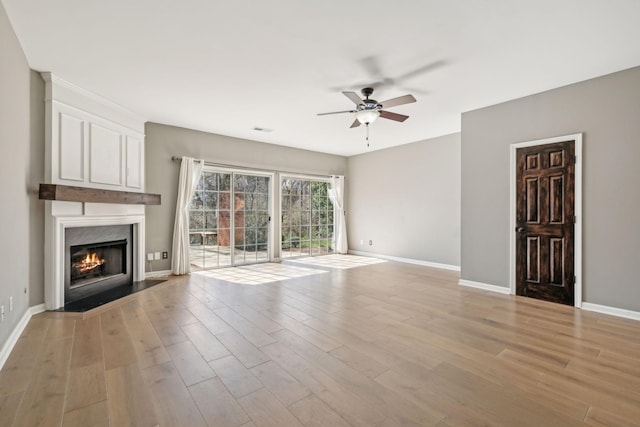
(97, 259)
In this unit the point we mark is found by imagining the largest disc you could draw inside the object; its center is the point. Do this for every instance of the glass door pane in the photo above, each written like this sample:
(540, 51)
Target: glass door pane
(196, 226)
(229, 220)
(262, 204)
(322, 212)
(251, 218)
(223, 223)
(307, 218)
(210, 229)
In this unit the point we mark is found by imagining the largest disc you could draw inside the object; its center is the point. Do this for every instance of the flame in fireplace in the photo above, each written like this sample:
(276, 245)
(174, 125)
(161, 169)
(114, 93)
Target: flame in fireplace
(90, 263)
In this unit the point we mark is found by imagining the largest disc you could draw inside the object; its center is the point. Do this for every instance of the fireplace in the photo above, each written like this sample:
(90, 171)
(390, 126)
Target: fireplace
(94, 156)
(97, 259)
(77, 224)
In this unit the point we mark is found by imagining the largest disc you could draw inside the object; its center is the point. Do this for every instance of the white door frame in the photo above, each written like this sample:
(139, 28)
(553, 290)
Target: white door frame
(242, 171)
(577, 262)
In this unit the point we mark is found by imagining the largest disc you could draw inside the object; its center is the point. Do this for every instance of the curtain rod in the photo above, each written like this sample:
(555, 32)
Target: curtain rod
(179, 159)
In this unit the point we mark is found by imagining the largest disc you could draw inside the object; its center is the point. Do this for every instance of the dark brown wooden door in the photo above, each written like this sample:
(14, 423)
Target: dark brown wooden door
(545, 183)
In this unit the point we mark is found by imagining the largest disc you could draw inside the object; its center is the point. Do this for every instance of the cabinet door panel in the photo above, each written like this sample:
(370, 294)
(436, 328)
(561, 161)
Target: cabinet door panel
(106, 156)
(134, 162)
(71, 148)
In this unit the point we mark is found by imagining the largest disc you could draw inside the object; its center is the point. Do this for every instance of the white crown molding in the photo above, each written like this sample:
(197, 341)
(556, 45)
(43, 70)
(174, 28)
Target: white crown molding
(64, 92)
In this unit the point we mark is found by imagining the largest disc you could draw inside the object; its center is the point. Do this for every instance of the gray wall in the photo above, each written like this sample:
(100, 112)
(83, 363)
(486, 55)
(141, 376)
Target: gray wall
(21, 214)
(35, 177)
(161, 175)
(607, 111)
(406, 200)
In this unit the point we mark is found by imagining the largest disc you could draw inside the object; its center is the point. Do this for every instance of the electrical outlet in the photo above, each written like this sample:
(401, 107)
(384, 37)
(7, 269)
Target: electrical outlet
(150, 256)
(10, 304)
(361, 242)
(156, 255)
(370, 242)
(165, 255)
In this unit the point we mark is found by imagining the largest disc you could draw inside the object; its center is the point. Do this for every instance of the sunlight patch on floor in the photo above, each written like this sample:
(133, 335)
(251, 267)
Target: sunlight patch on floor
(259, 274)
(338, 261)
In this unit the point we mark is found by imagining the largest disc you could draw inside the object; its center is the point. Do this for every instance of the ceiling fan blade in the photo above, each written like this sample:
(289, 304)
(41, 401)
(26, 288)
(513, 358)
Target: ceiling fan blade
(401, 100)
(421, 70)
(355, 124)
(371, 66)
(414, 89)
(337, 112)
(353, 97)
(393, 116)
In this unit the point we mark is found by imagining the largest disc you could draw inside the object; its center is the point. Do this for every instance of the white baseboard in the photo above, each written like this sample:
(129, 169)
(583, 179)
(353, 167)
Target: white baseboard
(17, 331)
(159, 273)
(407, 260)
(37, 309)
(614, 311)
(485, 286)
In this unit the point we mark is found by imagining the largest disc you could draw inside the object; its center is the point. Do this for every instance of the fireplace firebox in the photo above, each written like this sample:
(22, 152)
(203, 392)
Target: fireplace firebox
(97, 259)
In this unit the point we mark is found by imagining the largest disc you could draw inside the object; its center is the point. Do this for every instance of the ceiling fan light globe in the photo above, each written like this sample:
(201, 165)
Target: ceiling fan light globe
(367, 116)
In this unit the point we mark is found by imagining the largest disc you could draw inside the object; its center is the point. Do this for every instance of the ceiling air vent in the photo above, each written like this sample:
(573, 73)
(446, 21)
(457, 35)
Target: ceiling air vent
(259, 129)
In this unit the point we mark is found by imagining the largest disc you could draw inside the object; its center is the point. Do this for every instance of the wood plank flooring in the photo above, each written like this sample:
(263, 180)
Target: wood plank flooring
(386, 344)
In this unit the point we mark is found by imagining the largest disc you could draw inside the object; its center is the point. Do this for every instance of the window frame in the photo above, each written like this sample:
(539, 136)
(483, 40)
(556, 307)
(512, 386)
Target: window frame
(271, 195)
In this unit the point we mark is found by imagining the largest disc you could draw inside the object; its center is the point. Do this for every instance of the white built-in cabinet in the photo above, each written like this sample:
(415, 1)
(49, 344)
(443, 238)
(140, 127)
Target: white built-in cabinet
(92, 143)
(89, 142)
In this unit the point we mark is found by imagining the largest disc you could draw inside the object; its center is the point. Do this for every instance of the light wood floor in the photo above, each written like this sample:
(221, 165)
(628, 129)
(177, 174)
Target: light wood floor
(387, 344)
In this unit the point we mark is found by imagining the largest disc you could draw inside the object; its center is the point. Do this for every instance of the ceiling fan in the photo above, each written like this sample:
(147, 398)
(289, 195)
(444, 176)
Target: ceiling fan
(372, 66)
(368, 110)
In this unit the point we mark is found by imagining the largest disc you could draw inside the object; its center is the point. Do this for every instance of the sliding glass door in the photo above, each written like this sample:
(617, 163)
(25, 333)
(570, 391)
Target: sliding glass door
(251, 219)
(229, 219)
(307, 217)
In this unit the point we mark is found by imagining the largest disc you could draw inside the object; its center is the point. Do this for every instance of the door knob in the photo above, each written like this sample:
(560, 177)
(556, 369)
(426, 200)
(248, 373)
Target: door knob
(519, 229)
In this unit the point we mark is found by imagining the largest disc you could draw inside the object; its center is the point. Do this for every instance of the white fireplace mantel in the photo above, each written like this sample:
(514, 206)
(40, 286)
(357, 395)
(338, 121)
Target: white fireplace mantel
(89, 142)
(97, 216)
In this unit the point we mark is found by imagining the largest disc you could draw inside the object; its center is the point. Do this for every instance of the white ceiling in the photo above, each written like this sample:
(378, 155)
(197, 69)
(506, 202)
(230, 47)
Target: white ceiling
(227, 67)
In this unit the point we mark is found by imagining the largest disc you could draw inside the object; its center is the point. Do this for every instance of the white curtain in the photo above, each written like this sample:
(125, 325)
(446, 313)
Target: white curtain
(336, 194)
(190, 170)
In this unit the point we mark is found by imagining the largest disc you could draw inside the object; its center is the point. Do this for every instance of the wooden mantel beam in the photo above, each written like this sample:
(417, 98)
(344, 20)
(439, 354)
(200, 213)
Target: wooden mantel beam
(93, 195)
